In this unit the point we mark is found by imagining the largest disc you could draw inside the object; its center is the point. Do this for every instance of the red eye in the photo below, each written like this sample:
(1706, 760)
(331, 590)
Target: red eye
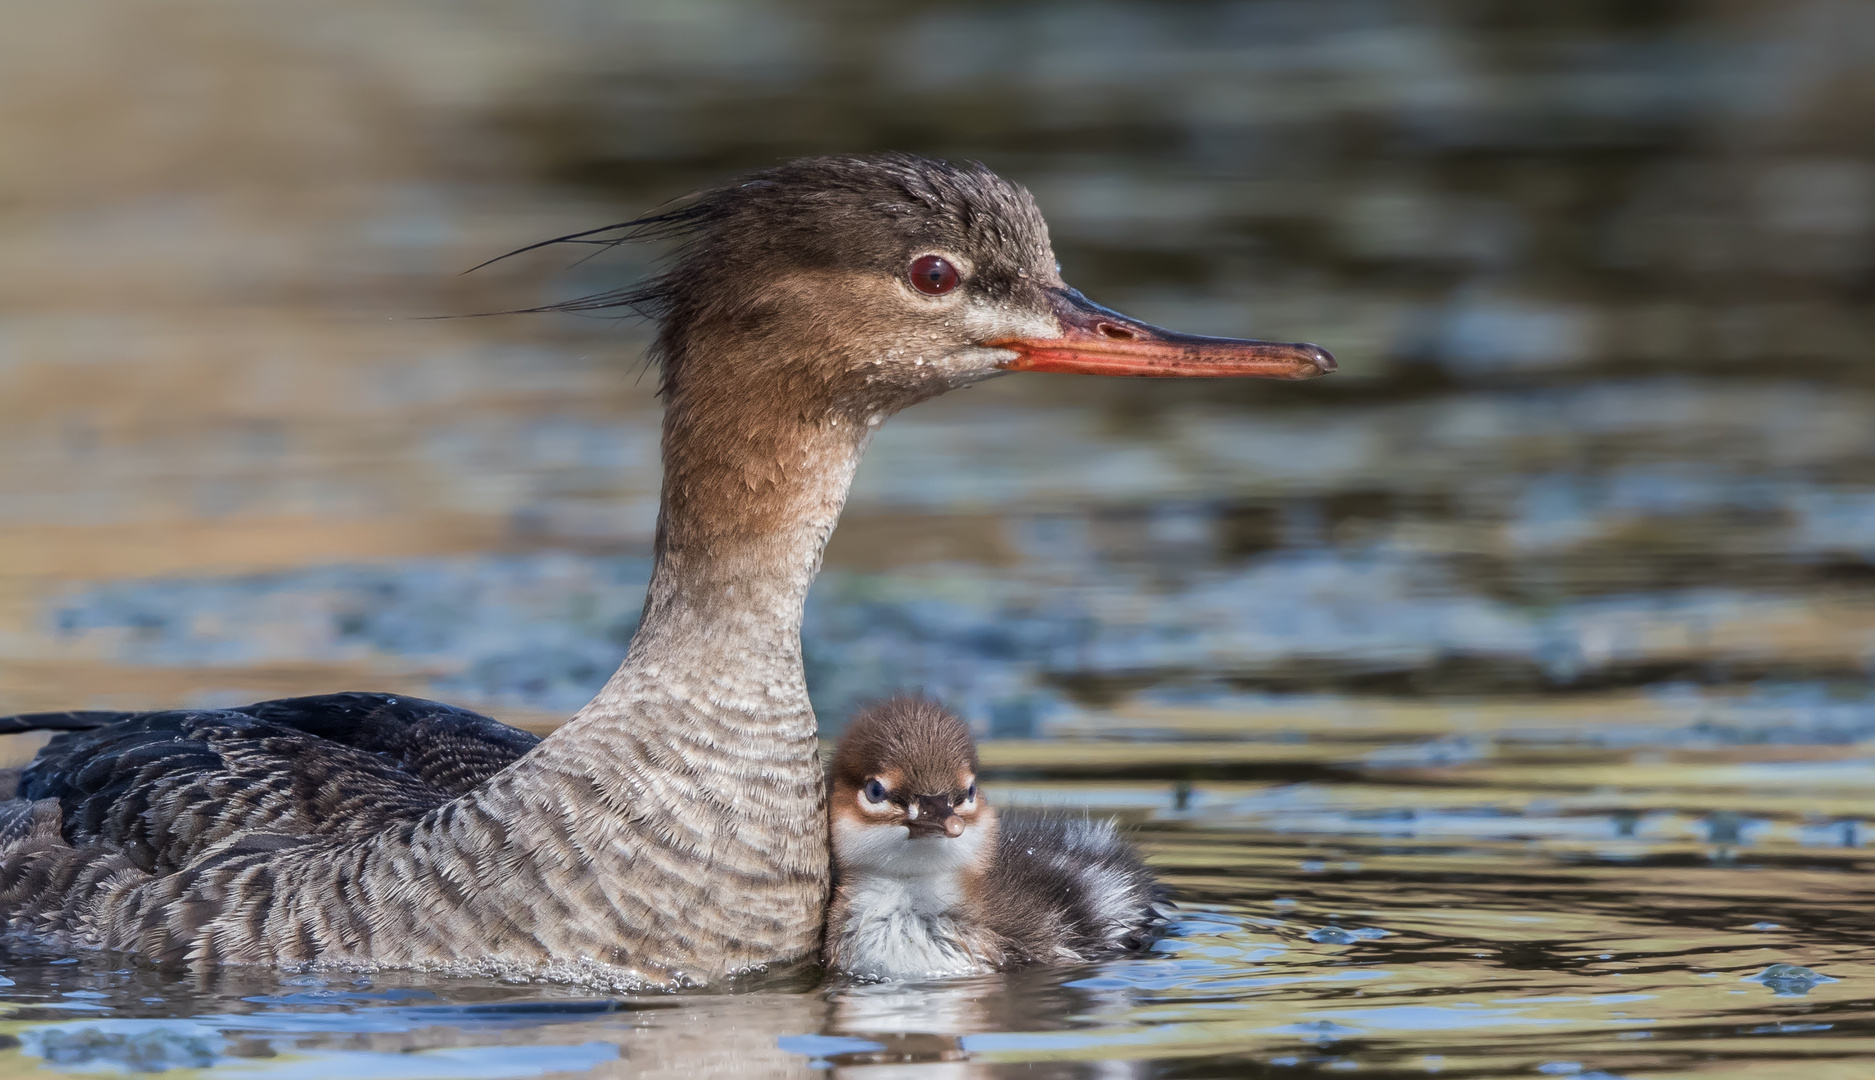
(933, 274)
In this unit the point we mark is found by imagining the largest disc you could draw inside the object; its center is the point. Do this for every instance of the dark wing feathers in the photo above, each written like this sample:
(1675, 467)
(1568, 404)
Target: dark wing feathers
(78, 720)
(163, 788)
(450, 748)
(1069, 888)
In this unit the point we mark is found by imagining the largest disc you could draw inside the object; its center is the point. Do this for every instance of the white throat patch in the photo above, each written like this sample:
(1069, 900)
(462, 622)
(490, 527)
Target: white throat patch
(903, 919)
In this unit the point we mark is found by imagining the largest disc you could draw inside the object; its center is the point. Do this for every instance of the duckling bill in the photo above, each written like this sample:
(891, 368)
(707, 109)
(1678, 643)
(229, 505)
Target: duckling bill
(930, 881)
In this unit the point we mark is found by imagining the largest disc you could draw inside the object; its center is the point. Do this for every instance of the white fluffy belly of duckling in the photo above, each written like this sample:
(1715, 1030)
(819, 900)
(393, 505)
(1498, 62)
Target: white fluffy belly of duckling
(894, 931)
(904, 904)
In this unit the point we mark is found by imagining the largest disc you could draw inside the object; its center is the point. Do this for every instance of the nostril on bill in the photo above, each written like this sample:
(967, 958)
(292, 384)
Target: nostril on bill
(1116, 333)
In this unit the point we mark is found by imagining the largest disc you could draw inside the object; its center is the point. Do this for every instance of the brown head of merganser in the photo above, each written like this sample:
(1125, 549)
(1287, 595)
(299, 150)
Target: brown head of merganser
(929, 882)
(669, 832)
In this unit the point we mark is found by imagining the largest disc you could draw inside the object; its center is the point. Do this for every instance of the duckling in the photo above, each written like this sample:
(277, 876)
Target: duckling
(929, 881)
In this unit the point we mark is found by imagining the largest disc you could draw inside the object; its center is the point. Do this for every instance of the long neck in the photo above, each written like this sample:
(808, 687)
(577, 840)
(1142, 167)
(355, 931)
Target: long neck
(748, 504)
(676, 826)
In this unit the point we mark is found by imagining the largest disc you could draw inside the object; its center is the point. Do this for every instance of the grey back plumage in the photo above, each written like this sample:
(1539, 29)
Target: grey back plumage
(186, 793)
(164, 786)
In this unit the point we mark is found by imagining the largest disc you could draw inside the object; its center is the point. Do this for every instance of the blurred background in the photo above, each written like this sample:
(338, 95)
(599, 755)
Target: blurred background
(1601, 451)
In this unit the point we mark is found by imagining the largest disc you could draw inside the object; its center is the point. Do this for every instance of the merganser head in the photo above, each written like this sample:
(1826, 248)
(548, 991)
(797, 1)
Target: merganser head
(858, 285)
(903, 793)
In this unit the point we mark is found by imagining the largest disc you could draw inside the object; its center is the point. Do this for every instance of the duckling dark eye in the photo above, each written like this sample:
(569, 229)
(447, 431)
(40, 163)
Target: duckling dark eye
(933, 275)
(970, 793)
(875, 791)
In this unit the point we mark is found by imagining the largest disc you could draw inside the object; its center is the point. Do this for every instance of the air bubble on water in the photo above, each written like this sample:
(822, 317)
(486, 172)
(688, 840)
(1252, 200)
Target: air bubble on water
(303, 980)
(1336, 935)
(1789, 980)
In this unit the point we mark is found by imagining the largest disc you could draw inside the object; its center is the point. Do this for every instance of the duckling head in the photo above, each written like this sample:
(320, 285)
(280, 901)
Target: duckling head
(903, 794)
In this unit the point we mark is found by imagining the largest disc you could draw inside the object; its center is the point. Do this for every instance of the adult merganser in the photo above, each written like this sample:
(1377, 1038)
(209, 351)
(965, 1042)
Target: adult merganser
(929, 882)
(672, 831)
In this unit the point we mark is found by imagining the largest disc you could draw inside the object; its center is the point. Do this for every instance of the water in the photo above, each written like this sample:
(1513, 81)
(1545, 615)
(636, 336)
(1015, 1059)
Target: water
(1498, 707)
(1626, 920)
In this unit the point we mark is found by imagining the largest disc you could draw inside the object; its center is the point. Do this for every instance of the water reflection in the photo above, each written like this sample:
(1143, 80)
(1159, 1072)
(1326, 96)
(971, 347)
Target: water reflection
(1491, 962)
